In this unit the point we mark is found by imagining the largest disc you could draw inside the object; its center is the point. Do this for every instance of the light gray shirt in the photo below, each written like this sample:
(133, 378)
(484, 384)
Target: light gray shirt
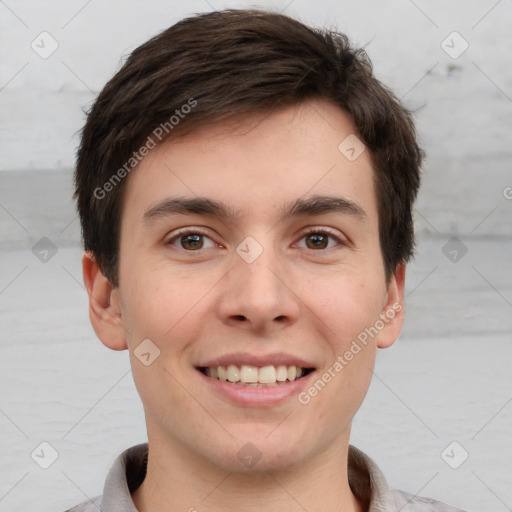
(365, 479)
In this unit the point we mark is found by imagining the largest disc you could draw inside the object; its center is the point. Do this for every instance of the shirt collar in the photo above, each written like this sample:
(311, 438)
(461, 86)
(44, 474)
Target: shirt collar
(129, 470)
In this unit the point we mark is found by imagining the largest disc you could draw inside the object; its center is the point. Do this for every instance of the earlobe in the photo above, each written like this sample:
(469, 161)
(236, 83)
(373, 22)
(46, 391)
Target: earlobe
(393, 311)
(104, 306)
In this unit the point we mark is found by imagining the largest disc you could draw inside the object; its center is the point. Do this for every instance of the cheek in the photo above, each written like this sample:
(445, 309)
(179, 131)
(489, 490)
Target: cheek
(350, 306)
(164, 309)
(170, 311)
(157, 301)
(347, 305)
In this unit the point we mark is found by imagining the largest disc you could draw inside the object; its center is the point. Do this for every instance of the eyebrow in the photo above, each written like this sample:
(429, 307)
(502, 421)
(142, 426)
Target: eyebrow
(315, 205)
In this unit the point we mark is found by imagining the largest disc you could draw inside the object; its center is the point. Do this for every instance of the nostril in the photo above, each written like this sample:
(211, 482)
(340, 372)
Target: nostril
(240, 317)
(279, 318)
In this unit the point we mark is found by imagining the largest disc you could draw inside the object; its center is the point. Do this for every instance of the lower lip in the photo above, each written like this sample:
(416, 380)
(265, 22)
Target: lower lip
(247, 396)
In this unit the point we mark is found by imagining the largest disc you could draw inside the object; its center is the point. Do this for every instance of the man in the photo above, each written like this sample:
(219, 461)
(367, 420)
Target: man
(245, 188)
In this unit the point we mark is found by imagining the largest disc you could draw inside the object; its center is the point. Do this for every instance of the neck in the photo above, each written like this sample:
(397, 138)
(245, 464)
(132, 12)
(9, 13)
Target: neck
(178, 480)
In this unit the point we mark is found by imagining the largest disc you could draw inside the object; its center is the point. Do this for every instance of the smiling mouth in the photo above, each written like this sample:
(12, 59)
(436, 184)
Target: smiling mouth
(256, 376)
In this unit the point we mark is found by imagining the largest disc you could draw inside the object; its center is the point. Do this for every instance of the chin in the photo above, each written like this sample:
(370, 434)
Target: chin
(260, 454)
(260, 462)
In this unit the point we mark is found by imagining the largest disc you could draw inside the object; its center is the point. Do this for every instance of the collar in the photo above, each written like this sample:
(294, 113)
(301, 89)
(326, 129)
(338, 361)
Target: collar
(365, 479)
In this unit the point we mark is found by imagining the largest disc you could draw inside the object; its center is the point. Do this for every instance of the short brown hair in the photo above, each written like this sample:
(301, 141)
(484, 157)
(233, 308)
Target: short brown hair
(228, 63)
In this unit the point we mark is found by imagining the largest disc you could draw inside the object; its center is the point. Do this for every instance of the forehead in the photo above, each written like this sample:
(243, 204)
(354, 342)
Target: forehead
(258, 163)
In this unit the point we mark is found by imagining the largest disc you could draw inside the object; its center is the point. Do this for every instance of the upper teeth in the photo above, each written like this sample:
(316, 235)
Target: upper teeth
(255, 374)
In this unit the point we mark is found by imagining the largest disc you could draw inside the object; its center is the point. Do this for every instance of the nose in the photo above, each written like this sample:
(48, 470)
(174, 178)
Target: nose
(256, 296)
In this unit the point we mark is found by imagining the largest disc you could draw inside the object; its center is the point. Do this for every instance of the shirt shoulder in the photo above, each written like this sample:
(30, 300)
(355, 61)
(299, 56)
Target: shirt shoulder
(125, 475)
(370, 487)
(406, 502)
(93, 505)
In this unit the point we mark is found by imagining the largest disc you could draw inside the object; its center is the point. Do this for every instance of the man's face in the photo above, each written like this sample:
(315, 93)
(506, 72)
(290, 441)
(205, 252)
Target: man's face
(267, 273)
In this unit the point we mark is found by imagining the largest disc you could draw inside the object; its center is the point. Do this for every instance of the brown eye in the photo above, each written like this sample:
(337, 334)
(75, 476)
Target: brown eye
(320, 239)
(317, 241)
(192, 241)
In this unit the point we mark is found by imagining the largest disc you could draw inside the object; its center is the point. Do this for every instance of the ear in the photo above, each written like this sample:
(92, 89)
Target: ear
(104, 305)
(392, 313)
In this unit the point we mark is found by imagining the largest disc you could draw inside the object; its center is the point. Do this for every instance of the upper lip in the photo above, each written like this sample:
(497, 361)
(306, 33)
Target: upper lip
(240, 359)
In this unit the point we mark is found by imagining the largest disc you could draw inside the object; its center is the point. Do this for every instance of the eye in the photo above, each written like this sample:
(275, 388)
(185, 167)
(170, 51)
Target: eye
(191, 240)
(318, 239)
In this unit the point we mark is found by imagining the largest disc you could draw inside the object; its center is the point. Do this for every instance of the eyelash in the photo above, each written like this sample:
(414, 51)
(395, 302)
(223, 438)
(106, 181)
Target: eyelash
(310, 231)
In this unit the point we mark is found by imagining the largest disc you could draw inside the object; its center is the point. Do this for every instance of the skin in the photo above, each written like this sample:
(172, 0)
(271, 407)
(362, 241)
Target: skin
(294, 298)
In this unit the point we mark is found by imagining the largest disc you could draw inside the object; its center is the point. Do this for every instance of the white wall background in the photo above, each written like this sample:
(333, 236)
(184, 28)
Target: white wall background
(449, 377)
